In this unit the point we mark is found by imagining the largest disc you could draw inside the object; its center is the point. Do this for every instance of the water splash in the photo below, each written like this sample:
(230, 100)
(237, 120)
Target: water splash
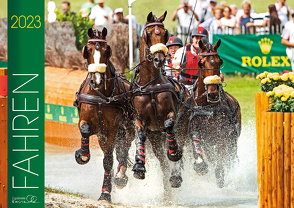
(62, 172)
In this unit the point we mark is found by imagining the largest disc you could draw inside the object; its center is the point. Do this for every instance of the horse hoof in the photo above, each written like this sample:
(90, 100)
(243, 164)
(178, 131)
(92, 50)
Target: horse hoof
(139, 174)
(201, 168)
(220, 182)
(105, 197)
(176, 181)
(79, 158)
(175, 157)
(121, 182)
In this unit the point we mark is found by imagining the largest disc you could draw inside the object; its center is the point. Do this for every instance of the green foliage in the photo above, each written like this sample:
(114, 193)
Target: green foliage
(80, 24)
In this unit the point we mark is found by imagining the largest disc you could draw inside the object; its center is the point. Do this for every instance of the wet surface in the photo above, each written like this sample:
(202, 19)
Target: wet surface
(62, 172)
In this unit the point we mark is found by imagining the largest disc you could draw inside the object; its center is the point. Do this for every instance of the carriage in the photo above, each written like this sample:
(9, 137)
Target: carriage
(156, 107)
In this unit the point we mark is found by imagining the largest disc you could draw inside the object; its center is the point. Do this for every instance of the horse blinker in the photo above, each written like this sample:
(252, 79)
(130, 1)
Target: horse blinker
(85, 52)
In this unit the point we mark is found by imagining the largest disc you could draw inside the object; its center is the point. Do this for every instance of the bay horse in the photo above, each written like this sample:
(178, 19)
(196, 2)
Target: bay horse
(102, 103)
(155, 100)
(217, 134)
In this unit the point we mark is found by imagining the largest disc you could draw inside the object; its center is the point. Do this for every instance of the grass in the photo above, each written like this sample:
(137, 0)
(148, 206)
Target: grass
(141, 8)
(243, 89)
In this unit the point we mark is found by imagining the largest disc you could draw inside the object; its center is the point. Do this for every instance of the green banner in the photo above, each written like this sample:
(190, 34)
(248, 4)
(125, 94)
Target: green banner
(26, 40)
(3, 64)
(252, 53)
(60, 113)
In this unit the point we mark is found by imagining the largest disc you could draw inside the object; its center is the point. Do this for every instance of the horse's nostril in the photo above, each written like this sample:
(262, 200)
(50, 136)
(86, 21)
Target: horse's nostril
(156, 59)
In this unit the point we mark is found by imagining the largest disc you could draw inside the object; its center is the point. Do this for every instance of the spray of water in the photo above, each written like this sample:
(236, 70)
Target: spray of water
(62, 172)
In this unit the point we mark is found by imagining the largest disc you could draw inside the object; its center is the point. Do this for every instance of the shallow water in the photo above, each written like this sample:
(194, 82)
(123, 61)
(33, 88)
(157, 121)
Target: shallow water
(62, 172)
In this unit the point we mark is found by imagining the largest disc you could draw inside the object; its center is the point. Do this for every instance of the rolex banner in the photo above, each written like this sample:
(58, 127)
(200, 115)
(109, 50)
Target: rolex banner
(252, 53)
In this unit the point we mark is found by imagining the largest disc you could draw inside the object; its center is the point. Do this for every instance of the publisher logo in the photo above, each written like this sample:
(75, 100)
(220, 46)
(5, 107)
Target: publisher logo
(24, 200)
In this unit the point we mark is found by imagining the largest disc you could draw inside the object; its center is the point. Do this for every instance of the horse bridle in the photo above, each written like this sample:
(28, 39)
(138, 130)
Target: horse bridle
(149, 56)
(212, 62)
(97, 45)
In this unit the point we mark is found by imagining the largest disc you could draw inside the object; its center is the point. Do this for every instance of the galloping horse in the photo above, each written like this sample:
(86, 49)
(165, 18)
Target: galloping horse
(217, 134)
(102, 104)
(155, 100)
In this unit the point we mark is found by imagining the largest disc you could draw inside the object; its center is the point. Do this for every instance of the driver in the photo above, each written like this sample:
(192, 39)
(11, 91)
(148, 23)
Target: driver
(173, 44)
(188, 60)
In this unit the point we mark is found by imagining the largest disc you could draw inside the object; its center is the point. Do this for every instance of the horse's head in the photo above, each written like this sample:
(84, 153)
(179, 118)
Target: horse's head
(97, 53)
(154, 38)
(209, 65)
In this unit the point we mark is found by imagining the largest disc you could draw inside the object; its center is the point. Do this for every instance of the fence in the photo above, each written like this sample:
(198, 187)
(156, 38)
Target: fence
(258, 30)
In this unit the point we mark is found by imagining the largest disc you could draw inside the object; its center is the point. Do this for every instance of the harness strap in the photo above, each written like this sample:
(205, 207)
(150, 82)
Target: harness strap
(188, 75)
(154, 24)
(208, 54)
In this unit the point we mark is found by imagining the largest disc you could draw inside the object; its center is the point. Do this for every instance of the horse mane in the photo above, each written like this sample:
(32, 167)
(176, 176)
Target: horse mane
(112, 68)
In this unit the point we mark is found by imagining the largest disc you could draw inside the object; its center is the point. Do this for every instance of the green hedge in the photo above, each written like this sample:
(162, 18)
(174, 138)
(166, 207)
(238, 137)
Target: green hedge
(80, 24)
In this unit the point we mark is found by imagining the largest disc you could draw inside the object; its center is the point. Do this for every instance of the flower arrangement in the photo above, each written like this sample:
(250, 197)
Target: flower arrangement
(268, 81)
(281, 99)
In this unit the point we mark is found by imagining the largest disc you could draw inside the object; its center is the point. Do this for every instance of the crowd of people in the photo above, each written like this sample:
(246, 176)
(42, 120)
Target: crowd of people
(221, 18)
(207, 17)
(100, 13)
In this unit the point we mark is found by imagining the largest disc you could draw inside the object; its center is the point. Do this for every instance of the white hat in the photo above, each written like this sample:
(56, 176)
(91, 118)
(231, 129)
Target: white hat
(100, 1)
(118, 10)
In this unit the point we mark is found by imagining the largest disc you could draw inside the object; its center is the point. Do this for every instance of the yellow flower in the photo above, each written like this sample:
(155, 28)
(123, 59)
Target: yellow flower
(263, 81)
(261, 76)
(284, 77)
(275, 77)
(292, 93)
(270, 75)
(286, 95)
(270, 93)
(284, 98)
(291, 76)
(278, 93)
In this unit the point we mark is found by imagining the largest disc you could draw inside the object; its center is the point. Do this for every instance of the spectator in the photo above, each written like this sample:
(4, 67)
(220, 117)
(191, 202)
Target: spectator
(245, 22)
(283, 11)
(234, 10)
(214, 23)
(272, 20)
(100, 13)
(288, 39)
(208, 12)
(65, 6)
(173, 44)
(228, 21)
(184, 14)
(119, 17)
(240, 12)
(222, 4)
(84, 12)
(88, 5)
(200, 6)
